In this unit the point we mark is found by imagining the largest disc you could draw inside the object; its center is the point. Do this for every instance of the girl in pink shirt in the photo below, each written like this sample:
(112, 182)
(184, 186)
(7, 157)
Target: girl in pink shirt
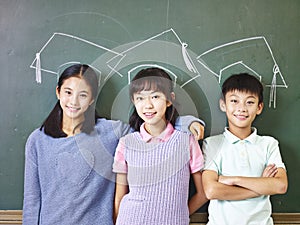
(154, 164)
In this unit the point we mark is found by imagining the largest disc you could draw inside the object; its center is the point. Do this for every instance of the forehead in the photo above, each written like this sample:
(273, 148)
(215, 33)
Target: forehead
(76, 83)
(241, 94)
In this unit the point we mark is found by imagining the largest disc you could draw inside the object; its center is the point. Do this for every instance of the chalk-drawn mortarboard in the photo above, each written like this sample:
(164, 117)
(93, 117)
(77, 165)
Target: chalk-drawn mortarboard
(253, 54)
(61, 50)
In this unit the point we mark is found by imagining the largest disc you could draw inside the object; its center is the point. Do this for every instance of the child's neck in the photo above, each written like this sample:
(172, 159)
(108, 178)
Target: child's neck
(155, 129)
(241, 133)
(71, 128)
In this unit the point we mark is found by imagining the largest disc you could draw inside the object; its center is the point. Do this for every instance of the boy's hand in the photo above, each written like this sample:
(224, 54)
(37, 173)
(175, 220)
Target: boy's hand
(270, 171)
(228, 180)
(197, 129)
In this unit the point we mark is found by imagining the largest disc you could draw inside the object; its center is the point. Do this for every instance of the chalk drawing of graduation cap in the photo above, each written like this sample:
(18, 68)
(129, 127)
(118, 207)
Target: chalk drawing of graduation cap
(253, 54)
(61, 50)
(165, 47)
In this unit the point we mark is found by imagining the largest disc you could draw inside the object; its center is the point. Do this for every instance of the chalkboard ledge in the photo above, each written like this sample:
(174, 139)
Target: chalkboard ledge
(279, 218)
(9, 217)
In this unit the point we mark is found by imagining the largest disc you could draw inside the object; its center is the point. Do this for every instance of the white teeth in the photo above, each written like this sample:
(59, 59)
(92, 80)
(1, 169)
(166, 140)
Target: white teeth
(72, 108)
(149, 114)
(241, 116)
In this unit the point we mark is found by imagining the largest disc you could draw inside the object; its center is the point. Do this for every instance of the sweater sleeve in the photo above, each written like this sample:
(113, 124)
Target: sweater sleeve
(183, 123)
(120, 128)
(32, 193)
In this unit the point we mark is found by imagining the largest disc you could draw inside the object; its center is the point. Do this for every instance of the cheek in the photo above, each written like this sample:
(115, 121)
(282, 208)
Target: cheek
(63, 99)
(138, 108)
(162, 107)
(85, 102)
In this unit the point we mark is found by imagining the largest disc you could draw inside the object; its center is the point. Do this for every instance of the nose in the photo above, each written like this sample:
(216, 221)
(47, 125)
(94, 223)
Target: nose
(74, 100)
(148, 103)
(241, 107)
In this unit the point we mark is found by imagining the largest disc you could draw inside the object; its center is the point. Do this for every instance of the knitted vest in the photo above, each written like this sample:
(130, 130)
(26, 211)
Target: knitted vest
(158, 177)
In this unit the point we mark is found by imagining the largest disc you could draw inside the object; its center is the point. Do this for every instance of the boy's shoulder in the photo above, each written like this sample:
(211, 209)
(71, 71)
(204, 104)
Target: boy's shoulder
(214, 138)
(265, 139)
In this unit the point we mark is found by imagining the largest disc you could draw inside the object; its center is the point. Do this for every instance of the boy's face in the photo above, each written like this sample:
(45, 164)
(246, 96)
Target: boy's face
(241, 109)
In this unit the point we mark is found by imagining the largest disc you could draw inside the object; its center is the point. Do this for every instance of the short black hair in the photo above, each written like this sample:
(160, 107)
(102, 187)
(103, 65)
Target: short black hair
(243, 82)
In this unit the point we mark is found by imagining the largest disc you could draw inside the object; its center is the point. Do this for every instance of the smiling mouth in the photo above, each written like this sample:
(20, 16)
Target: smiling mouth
(241, 117)
(73, 109)
(149, 114)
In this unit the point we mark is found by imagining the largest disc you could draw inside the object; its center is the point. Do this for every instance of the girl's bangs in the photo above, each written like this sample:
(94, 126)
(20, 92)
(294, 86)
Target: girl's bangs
(153, 84)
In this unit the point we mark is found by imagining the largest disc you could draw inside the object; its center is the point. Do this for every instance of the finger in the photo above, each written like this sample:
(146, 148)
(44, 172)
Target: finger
(273, 172)
(194, 133)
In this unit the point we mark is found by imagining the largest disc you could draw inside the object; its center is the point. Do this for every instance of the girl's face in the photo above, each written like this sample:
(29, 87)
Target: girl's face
(151, 106)
(75, 97)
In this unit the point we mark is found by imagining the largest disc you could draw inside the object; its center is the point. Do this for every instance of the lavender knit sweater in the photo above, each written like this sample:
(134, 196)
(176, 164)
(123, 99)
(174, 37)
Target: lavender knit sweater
(158, 178)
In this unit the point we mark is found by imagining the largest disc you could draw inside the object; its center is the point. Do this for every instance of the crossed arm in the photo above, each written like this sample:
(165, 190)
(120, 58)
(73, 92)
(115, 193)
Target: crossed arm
(272, 181)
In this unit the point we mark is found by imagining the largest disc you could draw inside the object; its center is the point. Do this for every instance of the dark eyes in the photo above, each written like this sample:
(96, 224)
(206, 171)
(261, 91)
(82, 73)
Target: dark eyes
(139, 98)
(236, 101)
(81, 95)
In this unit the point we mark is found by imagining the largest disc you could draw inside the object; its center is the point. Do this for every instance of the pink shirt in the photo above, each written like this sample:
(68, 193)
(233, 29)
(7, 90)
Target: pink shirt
(196, 157)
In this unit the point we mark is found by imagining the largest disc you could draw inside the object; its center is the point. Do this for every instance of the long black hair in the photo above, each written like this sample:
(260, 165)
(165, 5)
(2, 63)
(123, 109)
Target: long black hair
(53, 123)
(154, 79)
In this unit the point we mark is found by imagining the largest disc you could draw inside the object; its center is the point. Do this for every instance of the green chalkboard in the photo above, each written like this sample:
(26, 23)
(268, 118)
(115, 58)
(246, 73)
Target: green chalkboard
(201, 42)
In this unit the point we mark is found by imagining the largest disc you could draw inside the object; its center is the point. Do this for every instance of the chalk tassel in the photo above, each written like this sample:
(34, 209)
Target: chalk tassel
(186, 58)
(38, 73)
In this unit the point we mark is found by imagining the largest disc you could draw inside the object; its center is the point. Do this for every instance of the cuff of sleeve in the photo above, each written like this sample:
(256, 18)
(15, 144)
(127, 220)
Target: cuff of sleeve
(119, 167)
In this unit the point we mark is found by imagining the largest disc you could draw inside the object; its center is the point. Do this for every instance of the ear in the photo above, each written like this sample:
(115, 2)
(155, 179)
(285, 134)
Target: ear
(169, 103)
(57, 92)
(222, 105)
(260, 108)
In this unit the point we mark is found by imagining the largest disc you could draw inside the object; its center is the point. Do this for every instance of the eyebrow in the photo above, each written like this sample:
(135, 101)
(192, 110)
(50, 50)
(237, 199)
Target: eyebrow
(83, 91)
(250, 96)
(152, 92)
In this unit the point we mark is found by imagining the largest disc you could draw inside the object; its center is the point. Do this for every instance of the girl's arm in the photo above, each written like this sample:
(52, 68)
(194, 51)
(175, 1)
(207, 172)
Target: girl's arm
(32, 192)
(199, 198)
(196, 164)
(190, 124)
(121, 190)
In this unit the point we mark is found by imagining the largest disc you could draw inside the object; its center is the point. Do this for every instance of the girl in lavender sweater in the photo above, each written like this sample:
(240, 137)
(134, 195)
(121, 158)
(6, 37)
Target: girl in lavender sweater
(68, 177)
(154, 164)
